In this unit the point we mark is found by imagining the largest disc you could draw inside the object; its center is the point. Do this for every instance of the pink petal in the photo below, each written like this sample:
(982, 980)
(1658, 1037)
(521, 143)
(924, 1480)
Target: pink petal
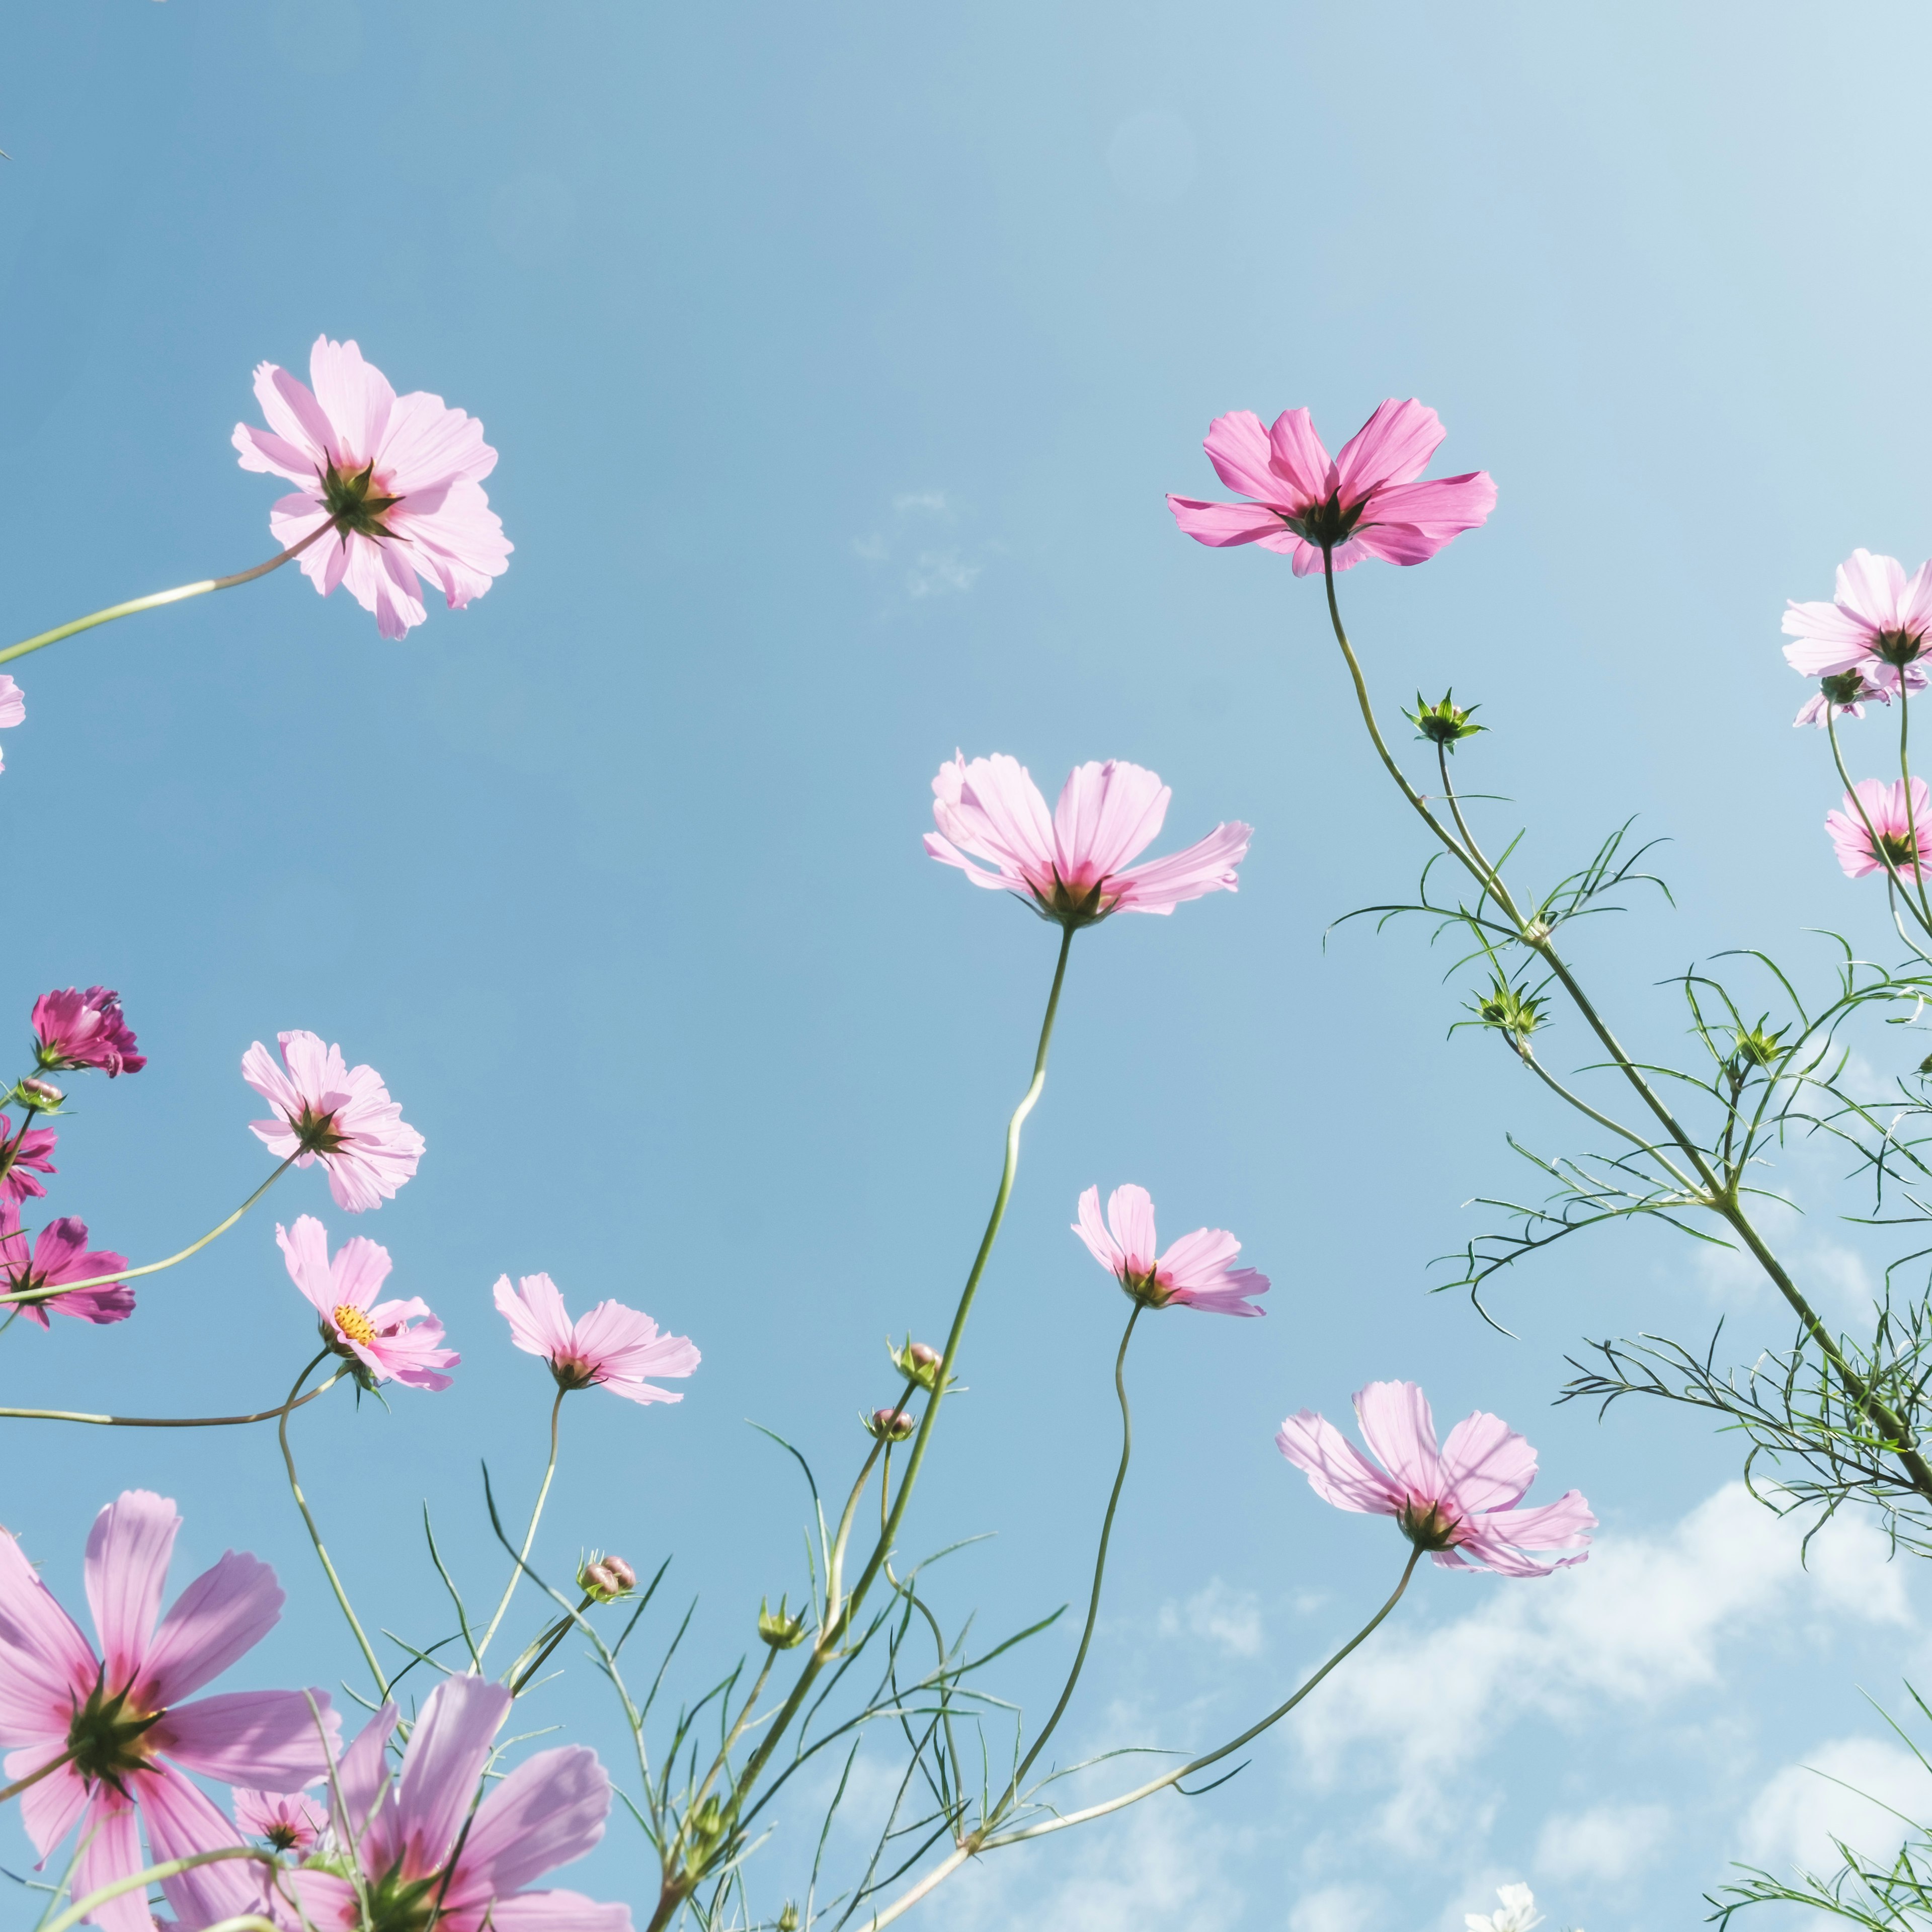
(534, 1308)
(557, 1912)
(113, 1852)
(182, 1821)
(947, 853)
(219, 1617)
(1337, 1471)
(1108, 814)
(445, 1761)
(361, 1775)
(1393, 446)
(1564, 1524)
(429, 444)
(126, 1568)
(294, 415)
(1220, 525)
(1130, 1216)
(353, 395)
(548, 1812)
(269, 454)
(1100, 1244)
(270, 1740)
(1486, 1465)
(305, 1249)
(1397, 1426)
(1874, 586)
(1298, 458)
(1199, 1260)
(46, 1665)
(1208, 866)
(1439, 509)
(49, 1809)
(1238, 446)
(360, 1268)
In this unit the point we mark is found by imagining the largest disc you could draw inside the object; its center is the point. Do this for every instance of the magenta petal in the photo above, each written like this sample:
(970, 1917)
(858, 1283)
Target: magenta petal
(269, 1740)
(126, 1568)
(445, 1761)
(222, 1615)
(548, 1812)
(1218, 525)
(1238, 447)
(1393, 446)
(1337, 1471)
(1297, 456)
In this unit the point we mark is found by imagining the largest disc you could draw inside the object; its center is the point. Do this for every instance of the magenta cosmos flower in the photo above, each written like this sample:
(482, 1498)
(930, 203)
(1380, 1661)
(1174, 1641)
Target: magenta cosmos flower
(1878, 624)
(387, 1341)
(421, 1837)
(60, 1254)
(1457, 1502)
(338, 1114)
(75, 1029)
(13, 706)
(291, 1821)
(399, 477)
(1364, 503)
(19, 1152)
(1903, 828)
(120, 1722)
(614, 1347)
(1069, 866)
(1194, 1272)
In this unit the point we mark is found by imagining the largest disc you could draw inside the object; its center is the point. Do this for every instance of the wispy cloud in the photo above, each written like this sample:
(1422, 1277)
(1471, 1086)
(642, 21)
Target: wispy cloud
(1842, 1789)
(921, 567)
(1607, 1844)
(1229, 1619)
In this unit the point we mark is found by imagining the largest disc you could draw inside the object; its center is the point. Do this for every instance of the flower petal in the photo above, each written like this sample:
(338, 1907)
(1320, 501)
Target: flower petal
(1337, 1471)
(126, 1568)
(1397, 1426)
(220, 1616)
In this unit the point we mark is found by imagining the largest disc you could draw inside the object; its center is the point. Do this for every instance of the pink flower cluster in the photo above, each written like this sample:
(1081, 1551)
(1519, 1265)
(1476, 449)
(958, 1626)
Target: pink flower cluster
(73, 1029)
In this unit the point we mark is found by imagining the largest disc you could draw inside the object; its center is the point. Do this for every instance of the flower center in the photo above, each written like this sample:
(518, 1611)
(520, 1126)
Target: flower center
(1326, 525)
(1897, 647)
(282, 1836)
(356, 1325)
(1074, 905)
(316, 1133)
(104, 1736)
(572, 1372)
(1898, 847)
(1148, 1289)
(353, 503)
(1428, 1525)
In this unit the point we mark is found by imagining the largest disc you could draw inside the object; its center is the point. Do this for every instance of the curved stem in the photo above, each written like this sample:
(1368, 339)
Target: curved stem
(1456, 808)
(835, 1564)
(20, 1784)
(1099, 1565)
(40, 1295)
(315, 1534)
(173, 1421)
(1873, 841)
(1527, 1055)
(530, 1534)
(154, 602)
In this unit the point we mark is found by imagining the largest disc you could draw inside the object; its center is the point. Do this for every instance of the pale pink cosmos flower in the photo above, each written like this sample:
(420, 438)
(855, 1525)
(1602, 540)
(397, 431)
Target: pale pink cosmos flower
(1851, 691)
(1457, 1502)
(13, 706)
(60, 1254)
(400, 477)
(291, 1821)
(387, 1340)
(338, 1114)
(123, 1717)
(420, 1833)
(76, 1029)
(1903, 828)
(19, 1152)
(1194, 1271)
(1878, 623)
(1364, 503)
(1069, 866)
(613, 1347)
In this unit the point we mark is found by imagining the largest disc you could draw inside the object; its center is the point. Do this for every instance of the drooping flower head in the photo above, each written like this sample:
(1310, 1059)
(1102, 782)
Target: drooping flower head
(1072, 867)
(1878, 625)
(61, 1253)
(290, 1821)
(13, 706)
(1364, 503)
(387, 1341)
(338, 1114)
(20, 1152)
(124, 1717)
(1194, 1271)
(419, 1836)
(613, 1347)
(1900, 829)
(75, 1029)
(399, 477)
(1457, 1502)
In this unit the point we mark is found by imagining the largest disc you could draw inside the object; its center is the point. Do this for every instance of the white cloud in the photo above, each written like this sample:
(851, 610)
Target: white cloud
(1641, 1622)
(1607, 1843)
(931, 502)
(933, 570)
(1841, 1790)
(936, 572)
(1228, 1618)
(1335, 1908)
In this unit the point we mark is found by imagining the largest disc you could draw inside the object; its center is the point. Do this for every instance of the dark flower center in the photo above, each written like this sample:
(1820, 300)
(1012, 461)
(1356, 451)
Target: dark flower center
(1897, 647)
(353, 506)
(1326, 525)
(1898, 846)
(1847, 687)
(104, 1736)
(1426, 1524)
(316, 1132)
(1148, 1289)
(1076, 906)
(282, 1836)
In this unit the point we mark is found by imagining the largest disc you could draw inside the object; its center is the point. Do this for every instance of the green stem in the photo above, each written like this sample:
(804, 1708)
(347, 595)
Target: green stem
(1905, 780)
(139, 1881)
(1875, 844)
(40, 1295)
(47, 1770)
(160, 597)
(530, 1534)
(172, 1421)
(1099, 1567)
(315, 1534)
(520, 1679)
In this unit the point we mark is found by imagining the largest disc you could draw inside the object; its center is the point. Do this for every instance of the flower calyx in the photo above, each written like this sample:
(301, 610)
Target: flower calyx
(787, 1920)
(1757, 1048)
(315, 1132)
(1846, 688)
(1072, 906)
(42, 1096)
(1426, 1526)
(1328, 524)
(1898, 648)
(1514, 1012)
(1148, 1289)
(355, 507)
(606, 1579)
(779, 1630)
(1445, 724)
(710, 1834)
(918, 1362)
(888, 1425)
(103, 1735)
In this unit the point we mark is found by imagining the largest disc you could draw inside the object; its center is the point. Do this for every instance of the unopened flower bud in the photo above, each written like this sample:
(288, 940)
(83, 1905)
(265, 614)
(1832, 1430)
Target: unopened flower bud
(607, 1578)
(776, 1628)
(42, 1093)
(788, 1918)
(1757, 1048)
(888, 1425)
(1511, 1011)
(916, 1362)
(1444, 724)
(706, 1831)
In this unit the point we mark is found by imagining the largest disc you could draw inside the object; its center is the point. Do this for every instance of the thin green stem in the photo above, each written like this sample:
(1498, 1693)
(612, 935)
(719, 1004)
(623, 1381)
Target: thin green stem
(1874, 842)
(1526, 1054)
(1905, 782)
(835, 1566)
(20, 1784)
(315, 1534)
(159, 597)
(521, 1679)
(139, 1881)
(173, 1421)
(40, 1295)
(1099, 1566)
(530, 1534)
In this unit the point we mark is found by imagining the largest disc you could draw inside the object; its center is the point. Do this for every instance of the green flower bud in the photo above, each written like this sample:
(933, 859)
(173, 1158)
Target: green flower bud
(1510, 1011)
(788, 1918)
(776, 1628)
(888, 1425)
(1757, 1048)
(41, 1094)
(1444, 723)
(917, 1362)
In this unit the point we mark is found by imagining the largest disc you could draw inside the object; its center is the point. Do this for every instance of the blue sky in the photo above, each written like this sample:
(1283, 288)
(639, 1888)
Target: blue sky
(838, 359)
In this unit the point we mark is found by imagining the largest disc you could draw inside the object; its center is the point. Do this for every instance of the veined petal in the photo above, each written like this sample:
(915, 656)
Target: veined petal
(1091, 1229)
(1397, 1425)
(1238, 447)
(1337, 1471)
(1393, 446)
(126, 1568)
(535, 1310)
(1873, 587)
(1486, 1465)
(182, 1821)
(1220, 525)
(445, 1761)
(1297, 456)
(220, 1616)
(269, 1740)
(1130, 1216)
(1207, 866)
(305, 1249)
(1108, 814)
(548, 1812)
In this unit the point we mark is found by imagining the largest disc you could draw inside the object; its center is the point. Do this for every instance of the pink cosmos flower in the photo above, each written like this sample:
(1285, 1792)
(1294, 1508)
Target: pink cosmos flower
(13, 706)
(1457, 1502)
(400, 477)
(387, 1340)
(1851, 691)
(61, 1254)
(1069, 867)
(1194, 1271)
(1897, 829)
(73, 1029)
(291, 1821)
(340, 1115)
(1878, 624)
(1364, 503)
(416, 1838)
(28, 1148)
(121, 1721)
(612, 1345)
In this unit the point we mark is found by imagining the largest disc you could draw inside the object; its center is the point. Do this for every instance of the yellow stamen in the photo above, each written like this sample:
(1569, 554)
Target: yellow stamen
(355, 1325)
